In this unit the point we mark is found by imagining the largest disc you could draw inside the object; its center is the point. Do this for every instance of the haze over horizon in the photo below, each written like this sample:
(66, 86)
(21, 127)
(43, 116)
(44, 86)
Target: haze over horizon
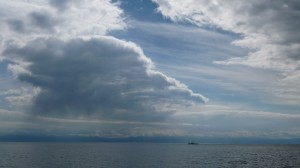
(160, 69)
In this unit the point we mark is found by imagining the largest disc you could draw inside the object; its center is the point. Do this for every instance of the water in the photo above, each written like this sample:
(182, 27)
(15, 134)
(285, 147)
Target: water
(146, 155)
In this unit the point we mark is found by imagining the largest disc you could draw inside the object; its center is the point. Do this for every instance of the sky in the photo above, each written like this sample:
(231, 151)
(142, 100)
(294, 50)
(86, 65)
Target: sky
(150, 68)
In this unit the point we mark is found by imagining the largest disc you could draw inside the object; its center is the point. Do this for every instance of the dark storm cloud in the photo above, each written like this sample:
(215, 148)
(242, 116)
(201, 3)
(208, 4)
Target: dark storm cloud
(105, 78)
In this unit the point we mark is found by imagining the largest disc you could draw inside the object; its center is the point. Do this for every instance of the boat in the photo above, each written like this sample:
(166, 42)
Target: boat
(193, 143)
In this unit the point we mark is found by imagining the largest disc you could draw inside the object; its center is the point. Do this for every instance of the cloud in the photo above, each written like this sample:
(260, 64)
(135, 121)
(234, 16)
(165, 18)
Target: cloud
(24, 20)
(215, 121)
(267, 27)
(100, 77)
(60, 50)
(42, 20)
(20, 97)
(61, 4)
(16, 25)
(75, 80)
(82, 82)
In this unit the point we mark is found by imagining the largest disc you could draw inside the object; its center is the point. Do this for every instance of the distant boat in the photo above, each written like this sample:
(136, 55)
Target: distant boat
(193, 143)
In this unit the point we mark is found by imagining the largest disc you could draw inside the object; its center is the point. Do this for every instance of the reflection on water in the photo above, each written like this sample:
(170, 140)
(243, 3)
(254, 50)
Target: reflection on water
(145, 155)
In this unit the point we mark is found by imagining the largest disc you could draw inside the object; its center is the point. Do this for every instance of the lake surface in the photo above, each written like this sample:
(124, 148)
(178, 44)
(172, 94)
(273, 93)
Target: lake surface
(146, 155)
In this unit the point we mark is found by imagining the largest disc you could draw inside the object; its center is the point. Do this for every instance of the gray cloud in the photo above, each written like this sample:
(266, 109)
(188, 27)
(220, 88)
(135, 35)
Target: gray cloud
(16, 25)
(37, 22)
(104, 78)
(63, 5)
(60, 4)
(43, 20)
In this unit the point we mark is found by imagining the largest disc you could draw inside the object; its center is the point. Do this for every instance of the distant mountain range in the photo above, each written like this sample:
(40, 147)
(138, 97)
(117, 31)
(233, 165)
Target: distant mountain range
(200, 140)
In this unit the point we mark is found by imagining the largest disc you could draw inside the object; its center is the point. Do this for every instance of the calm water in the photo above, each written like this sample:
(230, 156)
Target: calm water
(146, 155)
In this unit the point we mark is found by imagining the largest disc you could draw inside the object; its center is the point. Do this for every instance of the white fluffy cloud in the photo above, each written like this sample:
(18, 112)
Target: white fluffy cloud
(23, 19)
(269, 28)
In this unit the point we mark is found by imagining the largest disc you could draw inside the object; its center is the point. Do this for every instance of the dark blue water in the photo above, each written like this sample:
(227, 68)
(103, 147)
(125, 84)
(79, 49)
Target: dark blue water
(146, 155)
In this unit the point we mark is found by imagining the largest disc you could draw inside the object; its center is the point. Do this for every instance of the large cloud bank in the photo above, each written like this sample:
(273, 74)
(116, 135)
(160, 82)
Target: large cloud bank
(105, 75)
(60, 48)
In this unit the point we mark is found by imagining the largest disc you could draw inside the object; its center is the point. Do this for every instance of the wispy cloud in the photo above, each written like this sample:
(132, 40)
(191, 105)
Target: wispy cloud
(269, 28)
